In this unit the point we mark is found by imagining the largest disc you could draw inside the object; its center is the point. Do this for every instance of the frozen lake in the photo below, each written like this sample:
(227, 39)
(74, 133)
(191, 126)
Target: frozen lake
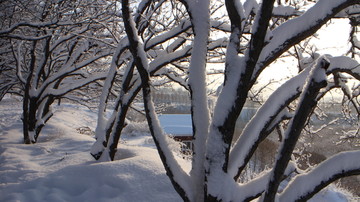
(176, 124)
(180, 124)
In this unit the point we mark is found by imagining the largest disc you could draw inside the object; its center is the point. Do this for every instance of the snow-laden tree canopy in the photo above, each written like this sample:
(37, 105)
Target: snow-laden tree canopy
(258, 34)
(55, 49)
(49, 52)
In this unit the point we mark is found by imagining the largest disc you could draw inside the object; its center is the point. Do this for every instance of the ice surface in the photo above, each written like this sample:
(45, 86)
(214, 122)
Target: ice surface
(176, 124)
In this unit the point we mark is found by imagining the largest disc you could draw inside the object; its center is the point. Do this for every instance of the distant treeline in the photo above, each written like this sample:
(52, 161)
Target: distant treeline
(171, 95)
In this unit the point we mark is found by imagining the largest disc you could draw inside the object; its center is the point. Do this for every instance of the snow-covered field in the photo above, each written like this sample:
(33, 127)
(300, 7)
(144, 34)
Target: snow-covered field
(60, 168)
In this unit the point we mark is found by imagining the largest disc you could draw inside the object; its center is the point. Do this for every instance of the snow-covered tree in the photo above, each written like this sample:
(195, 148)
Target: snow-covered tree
(164, 28)
(49, 51)
(256, 40)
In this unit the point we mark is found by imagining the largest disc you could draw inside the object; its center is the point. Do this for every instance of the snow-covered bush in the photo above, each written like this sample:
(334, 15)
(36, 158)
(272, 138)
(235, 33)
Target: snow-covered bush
(134, 128)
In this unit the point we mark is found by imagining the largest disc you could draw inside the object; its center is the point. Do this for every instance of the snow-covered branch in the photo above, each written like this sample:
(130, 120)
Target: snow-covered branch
(66, 38)
(26, 38)
(26, 24)
(295, 30)
(68, 69)
(108, 83)
(344, 64)
(315, 82)
(68, 87)
(174, 171)
(252, 134)
(182, 27)
(306, 185)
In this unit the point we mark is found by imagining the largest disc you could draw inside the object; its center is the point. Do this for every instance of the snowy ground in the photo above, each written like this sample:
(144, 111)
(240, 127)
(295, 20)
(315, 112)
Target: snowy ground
(60, 168)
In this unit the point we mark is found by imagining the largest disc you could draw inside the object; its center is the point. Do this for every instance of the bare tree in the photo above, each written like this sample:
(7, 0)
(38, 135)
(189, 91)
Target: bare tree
(50, 54)
(255, 42)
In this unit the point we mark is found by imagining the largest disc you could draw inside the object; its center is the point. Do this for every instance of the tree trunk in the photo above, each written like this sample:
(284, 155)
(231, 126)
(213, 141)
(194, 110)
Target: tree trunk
(29, 121)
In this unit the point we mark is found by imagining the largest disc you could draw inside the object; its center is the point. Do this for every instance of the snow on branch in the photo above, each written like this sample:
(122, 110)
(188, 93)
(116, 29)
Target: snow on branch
(255, 187)
(345, 64)
(25, 24)
(167, 58)
(252, 133)
(200, 19)
(106, 90)
(19, 60)
(70, 86)
(25, 38)
(306, 185)
(5, 88)
(349, 11)
(315, 82)
(67, 37)
(173, 76)
(182, 27)
(236, 13)
(68, 69)
(285, 11)
(176, 174)
(295, 30)
(143, 5)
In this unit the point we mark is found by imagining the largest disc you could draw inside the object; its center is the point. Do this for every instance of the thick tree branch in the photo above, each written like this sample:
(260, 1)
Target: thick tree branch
(308, 101)
(306, 185)
(141, 62)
